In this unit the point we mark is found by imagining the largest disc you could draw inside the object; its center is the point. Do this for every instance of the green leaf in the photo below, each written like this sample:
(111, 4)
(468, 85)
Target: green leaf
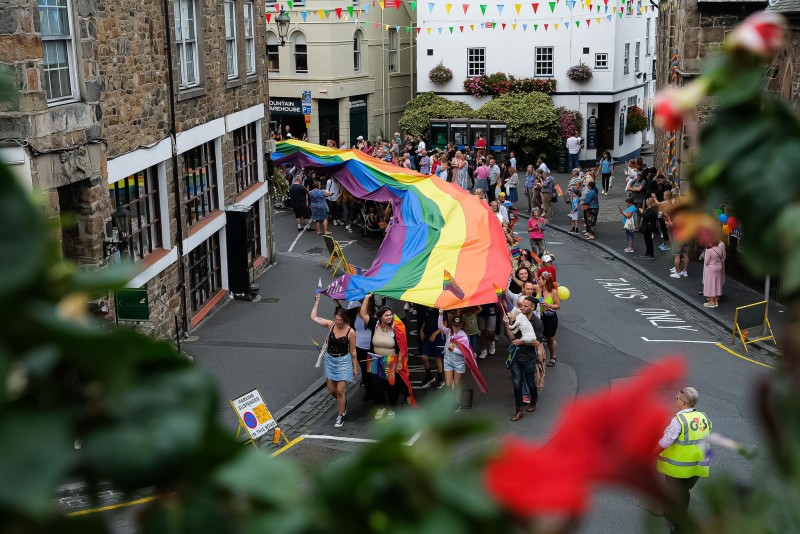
(35, 449)
(21, 252)
(254, 475)
(791, 276)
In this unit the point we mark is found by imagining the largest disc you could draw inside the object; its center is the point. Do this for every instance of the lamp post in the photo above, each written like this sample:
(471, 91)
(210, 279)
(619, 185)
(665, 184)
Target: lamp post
(282, 20)
(121, 220)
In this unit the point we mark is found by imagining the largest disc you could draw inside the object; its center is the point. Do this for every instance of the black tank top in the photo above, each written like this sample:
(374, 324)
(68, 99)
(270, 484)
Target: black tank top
(338, 346)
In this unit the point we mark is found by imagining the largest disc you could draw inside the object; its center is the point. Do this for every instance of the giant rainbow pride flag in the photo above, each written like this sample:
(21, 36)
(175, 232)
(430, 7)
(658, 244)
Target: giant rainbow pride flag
(436, 227)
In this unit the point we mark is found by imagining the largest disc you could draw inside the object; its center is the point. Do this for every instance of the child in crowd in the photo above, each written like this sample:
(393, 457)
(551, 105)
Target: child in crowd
(456, 342)
(575, 201)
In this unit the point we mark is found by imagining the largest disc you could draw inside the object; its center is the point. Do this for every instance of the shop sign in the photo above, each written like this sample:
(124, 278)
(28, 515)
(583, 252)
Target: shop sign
(285, 106)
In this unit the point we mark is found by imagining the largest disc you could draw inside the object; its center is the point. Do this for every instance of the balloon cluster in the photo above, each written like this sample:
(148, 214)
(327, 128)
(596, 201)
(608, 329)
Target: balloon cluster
(729, 224)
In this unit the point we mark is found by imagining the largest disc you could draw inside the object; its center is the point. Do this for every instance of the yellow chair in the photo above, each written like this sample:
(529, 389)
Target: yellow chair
(336, 257)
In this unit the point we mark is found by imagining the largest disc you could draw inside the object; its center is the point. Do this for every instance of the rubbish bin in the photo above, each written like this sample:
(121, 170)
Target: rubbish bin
(563, 161)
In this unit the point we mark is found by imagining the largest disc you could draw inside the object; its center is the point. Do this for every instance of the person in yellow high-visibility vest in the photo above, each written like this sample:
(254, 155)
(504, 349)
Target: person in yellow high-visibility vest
(684, 457)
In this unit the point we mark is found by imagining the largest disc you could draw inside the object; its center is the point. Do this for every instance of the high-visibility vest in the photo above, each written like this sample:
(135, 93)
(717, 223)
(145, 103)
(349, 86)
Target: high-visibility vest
(688, 455)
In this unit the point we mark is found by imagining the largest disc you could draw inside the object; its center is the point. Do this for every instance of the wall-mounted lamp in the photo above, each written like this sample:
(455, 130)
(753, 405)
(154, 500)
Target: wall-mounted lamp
(121, 221)
(283, 22)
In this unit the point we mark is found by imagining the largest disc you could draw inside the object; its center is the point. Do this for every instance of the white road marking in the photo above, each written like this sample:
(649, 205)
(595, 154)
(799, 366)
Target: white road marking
(296, 239)
(676, 341)
(409, 443)
(553, 243)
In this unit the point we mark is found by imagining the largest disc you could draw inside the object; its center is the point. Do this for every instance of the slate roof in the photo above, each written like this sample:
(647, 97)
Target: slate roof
(785, 6)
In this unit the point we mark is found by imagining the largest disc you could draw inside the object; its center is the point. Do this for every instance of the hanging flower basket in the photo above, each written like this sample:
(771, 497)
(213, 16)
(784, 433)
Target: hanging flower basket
(440, 74)
(580, 72)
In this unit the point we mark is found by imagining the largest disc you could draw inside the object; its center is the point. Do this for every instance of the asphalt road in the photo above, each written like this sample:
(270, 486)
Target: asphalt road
(606, 333)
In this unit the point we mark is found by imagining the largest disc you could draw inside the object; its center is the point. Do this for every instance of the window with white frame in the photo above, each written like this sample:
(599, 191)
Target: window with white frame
(647, 37)
(636, 53)
(357, 51)
(273, 52)
(186, 40)
(543, 65)
(199, 182)
(632, 100)
(231, 56)
(249, 38)
(626, 59)
(394, 46)
(300, 53)
(476, 61)
(59, 59)
(601, 61)
(205, 272)
(245, 156)
(139, 194)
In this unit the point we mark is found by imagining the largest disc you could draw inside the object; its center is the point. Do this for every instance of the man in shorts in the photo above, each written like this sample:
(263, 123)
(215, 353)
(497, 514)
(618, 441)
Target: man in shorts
(487, 323)
(298, 195)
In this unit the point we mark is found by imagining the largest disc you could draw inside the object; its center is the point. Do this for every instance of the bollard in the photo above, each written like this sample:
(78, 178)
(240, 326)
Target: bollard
(276, 436)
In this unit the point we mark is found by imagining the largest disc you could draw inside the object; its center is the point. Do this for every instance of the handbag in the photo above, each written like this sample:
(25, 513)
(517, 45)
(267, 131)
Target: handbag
(629, 224)
(323, 350)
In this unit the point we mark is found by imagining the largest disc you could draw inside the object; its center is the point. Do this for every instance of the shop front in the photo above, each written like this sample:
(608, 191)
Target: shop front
(287, 113)
(358, 118)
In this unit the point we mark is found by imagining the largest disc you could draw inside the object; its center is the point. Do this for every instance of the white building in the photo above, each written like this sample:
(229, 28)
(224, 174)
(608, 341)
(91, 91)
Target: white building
(474, 38)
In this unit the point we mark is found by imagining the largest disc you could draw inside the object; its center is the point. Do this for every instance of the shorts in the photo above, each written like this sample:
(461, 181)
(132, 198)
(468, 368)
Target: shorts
(433, 349)
(454, 362)
(574, 216)
(488, 322)
(301, 213)
(680, 248)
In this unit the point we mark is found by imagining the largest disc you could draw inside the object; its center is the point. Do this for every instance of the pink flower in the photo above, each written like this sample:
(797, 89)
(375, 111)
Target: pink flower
(760, 34)
(671, 104)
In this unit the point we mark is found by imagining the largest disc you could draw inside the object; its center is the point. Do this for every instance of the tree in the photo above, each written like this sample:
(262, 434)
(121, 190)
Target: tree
(531, 120)
(427, 106)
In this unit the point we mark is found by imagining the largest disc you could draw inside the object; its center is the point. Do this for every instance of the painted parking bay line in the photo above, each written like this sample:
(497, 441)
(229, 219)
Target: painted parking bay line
(677, 341)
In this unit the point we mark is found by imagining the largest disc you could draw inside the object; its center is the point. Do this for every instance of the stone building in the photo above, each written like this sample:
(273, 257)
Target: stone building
(690, 30)
(147, 155)
(360, 75)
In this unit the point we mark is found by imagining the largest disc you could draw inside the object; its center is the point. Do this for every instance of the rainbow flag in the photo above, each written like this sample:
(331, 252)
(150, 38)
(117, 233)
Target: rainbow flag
(516, 252)
(437, 226)
(449, 284)
(499, 292)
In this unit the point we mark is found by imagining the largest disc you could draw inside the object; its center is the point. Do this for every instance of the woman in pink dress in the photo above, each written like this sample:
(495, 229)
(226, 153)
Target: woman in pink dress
(713, 273)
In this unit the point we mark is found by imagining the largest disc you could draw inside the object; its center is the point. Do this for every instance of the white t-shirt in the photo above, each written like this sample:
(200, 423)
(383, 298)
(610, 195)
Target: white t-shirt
(420, 147)
(335, 189)
(574, 144)
(513, 162)
(544, 168)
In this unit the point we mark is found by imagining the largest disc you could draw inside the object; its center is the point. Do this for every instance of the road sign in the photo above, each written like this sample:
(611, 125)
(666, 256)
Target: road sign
(253, 414)
(750, 317)
(132, 305)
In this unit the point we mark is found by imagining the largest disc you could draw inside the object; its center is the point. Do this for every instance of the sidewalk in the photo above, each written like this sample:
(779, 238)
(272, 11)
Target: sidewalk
(611, 239)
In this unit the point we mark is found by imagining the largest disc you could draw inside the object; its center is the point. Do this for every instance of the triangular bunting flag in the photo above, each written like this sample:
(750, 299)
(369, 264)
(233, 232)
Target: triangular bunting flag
(535, 7)
(338, 12)
(535, 27)
(589, 5)
(366, 9)
(609, 17)
(440, 30)
(552, 6)
(269, 17)
(588, 23)
(598, 20)
(377, 24)
(466, 7)
(524, 27)
(430, 7)
(451, 29)
(428, 30)
(290, 4)
(304, 15)
(577, 24)
(620, 15)
(448, 7)
(514, 27)
(419, 30)
(500, 8)
(397, 4)
(397, 29)
(570, 4)
(408, 29)
(413, 6)
(321, 14)
(494, 25)
(483, 9)
(517, 7)
(461, 28)
(472, 27)
(277, 7)
(503, 25)
(350, 10)
(566, 25)
(382, 4)
(545, 27)
(555, 25)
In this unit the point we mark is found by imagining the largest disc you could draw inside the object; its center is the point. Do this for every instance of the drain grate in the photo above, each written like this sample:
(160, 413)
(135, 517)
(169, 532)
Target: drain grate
(466, 398)
(269, 300)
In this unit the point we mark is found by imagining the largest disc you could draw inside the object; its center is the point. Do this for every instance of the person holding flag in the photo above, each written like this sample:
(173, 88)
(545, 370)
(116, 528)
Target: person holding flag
(456, 346)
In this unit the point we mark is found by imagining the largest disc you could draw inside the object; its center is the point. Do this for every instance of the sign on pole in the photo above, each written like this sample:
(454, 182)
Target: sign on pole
(132, 305)
(305, 100)
(253, 414)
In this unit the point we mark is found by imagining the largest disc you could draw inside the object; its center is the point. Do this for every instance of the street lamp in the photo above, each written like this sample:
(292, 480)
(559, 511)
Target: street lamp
(283, 26)
(121, 220)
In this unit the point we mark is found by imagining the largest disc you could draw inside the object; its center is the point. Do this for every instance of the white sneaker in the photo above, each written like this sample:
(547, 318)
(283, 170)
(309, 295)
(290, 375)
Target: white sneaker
(675, 275)
(339, 421)
(673, 270)
(390, 414)
(684, 274)
(482, 354)
(491, 348)
(380, 413)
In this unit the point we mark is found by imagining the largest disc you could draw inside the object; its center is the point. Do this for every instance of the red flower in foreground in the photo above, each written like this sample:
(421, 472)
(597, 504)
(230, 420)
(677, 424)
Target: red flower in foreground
(607, 437)
(761, 34)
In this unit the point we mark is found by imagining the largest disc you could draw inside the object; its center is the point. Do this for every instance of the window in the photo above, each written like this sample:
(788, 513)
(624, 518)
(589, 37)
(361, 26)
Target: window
(249, 39)
(273, 52)
(205, 276)
(544, 61)
(300, 51)
(357, 51)
(601, 61)
(647, 38)
(254, 244)
(59, 58)
(626, 60)
(245, 156)
(636, 53)
(139, 194)
(186, 39)
(476, 61)
(199, 182)
(394, 46)
(230, 39)
(632, 100)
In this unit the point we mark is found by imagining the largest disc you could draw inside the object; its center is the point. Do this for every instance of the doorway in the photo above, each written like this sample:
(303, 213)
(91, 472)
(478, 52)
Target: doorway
(328, 121)
(605, 128)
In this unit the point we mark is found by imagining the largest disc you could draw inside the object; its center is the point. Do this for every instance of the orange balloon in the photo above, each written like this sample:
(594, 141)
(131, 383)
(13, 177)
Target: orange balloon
(726, 229)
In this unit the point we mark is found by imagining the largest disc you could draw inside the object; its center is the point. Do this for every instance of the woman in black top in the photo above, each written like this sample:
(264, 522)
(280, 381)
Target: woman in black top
(649, 225)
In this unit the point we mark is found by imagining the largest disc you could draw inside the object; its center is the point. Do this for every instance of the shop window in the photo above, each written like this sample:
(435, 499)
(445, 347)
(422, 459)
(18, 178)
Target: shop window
(199, 182)
(245, 156)
(205, 274)
(139, 194)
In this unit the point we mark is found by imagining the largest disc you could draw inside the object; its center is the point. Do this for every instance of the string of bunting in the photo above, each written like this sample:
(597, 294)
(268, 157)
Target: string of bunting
(356, 12)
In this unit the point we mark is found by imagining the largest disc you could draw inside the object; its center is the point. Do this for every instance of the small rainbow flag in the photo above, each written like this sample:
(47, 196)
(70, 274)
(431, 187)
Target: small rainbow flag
(499, 292)
(449, 284)
(516, 252)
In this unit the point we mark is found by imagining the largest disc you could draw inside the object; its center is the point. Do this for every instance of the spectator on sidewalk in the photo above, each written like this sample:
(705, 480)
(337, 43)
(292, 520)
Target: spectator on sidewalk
(298, 195)
(629, 214)
(424, 163)
(606, 169)
(649, 225)
(512, 184)
(636, 189)
(536, 232)
(494, 176)
(574, 144)
(541, 166)
(713, 273)
(530, 181)
(481, 176)
(575, 208)
(663, 206)
(548, 190)
(512, 159)
(591, 203)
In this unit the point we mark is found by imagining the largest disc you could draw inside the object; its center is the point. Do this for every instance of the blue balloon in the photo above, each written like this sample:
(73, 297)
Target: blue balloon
(723, 218)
